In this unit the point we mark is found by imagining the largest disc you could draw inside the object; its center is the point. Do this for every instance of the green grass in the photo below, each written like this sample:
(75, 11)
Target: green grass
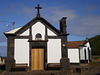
(94, 63)
(95, 45)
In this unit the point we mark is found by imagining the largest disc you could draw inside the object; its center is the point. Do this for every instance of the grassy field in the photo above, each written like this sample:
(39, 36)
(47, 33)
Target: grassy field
(95, 45)
(95, 60)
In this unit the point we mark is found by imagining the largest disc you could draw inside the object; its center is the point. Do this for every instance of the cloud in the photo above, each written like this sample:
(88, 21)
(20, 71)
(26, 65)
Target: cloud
(54, 14)
(89, 25)
(86, 24)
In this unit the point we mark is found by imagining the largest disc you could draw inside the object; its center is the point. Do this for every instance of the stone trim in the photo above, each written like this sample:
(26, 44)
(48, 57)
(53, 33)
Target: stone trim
(22, 37)
(83, 61)
(35, 44)
(54, 37)
(74, 63)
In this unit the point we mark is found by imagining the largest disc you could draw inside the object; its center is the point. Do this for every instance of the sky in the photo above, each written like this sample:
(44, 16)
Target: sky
(83, 17)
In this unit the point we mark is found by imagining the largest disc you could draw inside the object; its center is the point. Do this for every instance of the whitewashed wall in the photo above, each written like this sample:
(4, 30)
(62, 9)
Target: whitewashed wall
(73, 55)
(54, 50)
(86, 53)
(88, 46)
(38, 28)
(50, 33)
(0, 60)
(21, 51)
(25, 33)
(82, 52)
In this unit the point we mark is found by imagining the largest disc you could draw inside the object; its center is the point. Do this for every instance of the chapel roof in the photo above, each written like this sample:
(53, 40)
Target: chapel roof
(12, 31)
(36, 19)
(76, 44)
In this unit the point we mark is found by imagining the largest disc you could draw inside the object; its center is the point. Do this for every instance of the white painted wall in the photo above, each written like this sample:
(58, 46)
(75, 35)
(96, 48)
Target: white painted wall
(21, 51)
(82, 53)
(73, 55)
(0, 60)
(38, 27)
(25, 33)
(54, 50)
(50, 33)
(88, 46)
(87, 54)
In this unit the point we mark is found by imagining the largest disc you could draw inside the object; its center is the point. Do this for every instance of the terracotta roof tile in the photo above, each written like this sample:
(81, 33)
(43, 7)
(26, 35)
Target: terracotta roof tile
(75, 44)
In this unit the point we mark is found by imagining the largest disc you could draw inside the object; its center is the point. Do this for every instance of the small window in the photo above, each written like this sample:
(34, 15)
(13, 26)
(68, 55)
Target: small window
(38, 36)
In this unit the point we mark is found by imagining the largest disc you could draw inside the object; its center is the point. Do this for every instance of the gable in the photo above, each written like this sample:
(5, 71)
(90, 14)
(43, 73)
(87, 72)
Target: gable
(50, 33)
(42, 21)
(38, 27)
(25, 33)
(87, 44)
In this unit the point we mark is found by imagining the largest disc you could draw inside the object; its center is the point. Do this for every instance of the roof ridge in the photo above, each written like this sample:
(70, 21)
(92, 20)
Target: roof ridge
(76, 41)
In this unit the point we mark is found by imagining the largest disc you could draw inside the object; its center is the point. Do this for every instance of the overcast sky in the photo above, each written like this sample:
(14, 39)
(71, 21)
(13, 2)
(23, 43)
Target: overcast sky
(83, 16)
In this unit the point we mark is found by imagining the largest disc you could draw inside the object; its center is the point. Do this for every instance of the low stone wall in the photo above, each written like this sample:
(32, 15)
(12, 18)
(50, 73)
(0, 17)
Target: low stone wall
(59, 72)
(1, 71)
(85, 70)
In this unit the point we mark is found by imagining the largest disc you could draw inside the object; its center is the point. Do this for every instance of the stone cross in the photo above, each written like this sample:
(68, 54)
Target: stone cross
(38, 8)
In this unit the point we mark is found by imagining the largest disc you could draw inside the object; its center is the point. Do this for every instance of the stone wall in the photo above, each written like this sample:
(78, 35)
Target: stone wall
(85, 70)
(39, 73)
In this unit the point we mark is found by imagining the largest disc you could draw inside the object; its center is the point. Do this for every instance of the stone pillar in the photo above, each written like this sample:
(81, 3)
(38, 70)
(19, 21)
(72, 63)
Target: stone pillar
(64, 60)
(65, 63)
(10, 62)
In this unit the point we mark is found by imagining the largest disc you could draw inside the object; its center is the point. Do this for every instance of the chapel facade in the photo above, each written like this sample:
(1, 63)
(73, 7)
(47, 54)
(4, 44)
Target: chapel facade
(38, 44)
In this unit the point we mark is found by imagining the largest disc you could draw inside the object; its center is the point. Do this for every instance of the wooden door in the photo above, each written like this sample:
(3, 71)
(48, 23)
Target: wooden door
(37, 59)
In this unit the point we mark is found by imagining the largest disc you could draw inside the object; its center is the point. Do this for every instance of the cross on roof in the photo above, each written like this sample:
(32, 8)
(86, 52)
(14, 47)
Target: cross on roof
(38, 12)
